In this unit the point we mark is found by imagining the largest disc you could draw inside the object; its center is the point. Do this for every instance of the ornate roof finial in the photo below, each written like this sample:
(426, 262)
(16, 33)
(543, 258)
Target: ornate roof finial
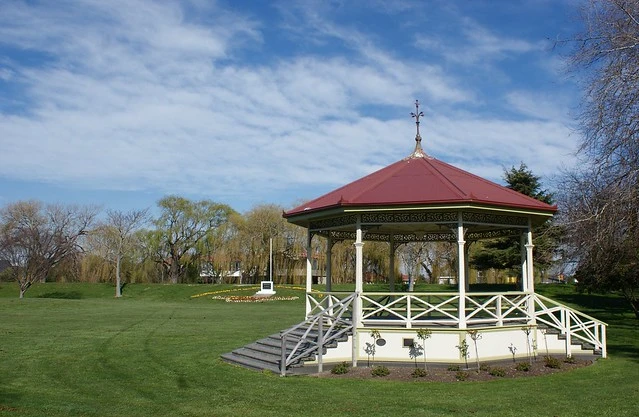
(418, 152)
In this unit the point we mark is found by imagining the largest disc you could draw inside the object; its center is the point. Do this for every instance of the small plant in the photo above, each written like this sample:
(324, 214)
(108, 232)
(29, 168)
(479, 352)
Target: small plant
(453, 368)
(552, 362)
(463, 350)
(370, 347)
(528, 331)
(419, 373)
(380, 371)
(475, 336)
(484, 367)
(523, 367)
(513, 349)
(341, 368)
(544, 331)
(461, 375)
(415, 351)
(570, 359)
(497, 371)
(423, 334)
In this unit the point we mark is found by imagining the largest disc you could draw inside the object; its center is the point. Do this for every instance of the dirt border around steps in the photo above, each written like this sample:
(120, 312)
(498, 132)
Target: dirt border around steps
(441, 373)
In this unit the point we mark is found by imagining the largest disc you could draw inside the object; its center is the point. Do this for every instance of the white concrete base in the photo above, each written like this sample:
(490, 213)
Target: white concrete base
(266, 288)
(493, 344)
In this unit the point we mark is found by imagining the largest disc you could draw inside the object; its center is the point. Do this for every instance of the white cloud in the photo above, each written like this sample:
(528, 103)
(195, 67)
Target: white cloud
(143, 95)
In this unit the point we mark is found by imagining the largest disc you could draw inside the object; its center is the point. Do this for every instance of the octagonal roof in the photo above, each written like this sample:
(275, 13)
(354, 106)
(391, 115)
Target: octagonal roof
(419, 181)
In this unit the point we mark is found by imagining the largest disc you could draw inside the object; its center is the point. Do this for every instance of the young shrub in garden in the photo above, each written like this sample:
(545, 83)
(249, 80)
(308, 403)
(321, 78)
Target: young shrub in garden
(513, 349)
(570, 359)
(453, 368)
(370, 347)
(380, 371)
(475, 336)
(419, 373)
(341, 368)
(461, 375)
(463, 350)
(523, 367)
(528, 330)
(497, 371)
(423, 334)
(552, 362)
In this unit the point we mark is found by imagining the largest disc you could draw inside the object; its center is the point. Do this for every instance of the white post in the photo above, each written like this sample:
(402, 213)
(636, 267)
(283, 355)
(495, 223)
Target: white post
(270, 261)
(329, 263)
(530, 282)
(461, 271)
(568, 336)
(309, 272)
(529, 259)
(391, 265)
(357, 301)
(524, 265)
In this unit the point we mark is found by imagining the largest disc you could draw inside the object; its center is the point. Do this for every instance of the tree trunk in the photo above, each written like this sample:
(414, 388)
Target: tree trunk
(174, 272)
(118, 289)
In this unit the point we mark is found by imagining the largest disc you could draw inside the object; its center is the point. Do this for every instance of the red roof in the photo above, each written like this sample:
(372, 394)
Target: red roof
(421, 180)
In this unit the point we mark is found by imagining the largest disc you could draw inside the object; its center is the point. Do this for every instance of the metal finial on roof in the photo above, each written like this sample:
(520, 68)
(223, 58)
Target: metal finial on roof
(418, 152)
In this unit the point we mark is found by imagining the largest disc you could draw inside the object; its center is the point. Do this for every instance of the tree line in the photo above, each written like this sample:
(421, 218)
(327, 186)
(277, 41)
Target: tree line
(204, 241)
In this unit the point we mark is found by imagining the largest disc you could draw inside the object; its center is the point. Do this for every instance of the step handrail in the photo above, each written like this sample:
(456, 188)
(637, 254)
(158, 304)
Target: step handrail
(571, 323)
(338, 326)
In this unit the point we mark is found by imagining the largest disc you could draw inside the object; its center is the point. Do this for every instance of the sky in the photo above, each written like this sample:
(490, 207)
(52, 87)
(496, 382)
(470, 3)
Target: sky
(118, 103)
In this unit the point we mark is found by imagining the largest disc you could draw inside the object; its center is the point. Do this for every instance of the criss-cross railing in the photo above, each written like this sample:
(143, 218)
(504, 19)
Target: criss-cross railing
(406, 310)
(331, 320)
(571, 324)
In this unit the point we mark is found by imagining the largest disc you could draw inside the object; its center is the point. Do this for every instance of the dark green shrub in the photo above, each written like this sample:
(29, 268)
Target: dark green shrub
(461, 375)
(453, 367)
(523, 367)
(570, 359)
(341, 368)
(484, 368)
(380, 371)
(419, 373)
(551, 362)
(497, 371)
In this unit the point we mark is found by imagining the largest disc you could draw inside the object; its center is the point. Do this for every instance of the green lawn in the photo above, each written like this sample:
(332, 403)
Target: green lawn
(74, 350)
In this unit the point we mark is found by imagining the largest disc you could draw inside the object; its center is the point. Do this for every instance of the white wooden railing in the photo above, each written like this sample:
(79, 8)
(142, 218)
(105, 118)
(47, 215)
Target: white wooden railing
(486, 309)
(331, 320)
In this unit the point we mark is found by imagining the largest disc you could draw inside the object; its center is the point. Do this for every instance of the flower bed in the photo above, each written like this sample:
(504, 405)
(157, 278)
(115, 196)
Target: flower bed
(251, 298)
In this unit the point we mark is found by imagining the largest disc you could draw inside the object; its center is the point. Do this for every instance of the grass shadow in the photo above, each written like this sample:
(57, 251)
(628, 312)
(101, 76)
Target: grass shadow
(65, 295)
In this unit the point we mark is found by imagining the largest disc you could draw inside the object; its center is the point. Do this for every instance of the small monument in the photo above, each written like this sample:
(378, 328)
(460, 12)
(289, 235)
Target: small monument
(266, 288)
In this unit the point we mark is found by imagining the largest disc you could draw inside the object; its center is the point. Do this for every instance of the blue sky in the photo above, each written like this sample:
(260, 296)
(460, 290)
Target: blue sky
(121, 102)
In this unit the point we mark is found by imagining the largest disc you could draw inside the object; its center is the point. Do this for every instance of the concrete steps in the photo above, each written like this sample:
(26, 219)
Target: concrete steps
(266, 353)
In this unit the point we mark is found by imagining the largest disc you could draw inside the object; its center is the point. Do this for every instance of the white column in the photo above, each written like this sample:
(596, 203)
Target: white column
(391, 265)
(530, 282)
(529, 259)
(359, 262)
(357, 302)
(309, 271)
(461, 271)
(329, 263)
(524, 265)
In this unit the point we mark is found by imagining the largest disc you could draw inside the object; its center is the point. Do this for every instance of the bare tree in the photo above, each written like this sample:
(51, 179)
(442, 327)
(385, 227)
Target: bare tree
(600, 207)
(35, 237)
(115, 236)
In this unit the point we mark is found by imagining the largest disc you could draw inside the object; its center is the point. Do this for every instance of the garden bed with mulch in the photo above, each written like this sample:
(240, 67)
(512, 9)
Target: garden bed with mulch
(487, 372)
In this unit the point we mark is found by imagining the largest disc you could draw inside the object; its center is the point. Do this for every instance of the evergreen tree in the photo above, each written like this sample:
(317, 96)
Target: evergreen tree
(505, 253)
